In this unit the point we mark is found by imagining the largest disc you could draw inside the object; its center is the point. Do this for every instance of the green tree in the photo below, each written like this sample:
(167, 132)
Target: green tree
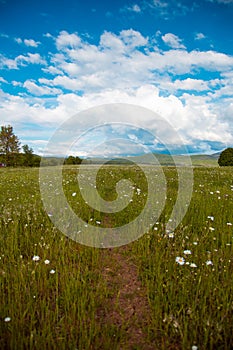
(28, 155)
(9, 145)
(72, 160)
(226, 157)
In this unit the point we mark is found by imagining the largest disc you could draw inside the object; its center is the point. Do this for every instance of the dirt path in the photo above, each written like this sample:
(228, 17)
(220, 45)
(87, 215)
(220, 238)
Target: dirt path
(127, 305)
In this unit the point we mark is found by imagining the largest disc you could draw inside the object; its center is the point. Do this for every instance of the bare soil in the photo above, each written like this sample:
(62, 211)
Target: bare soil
(126, 305)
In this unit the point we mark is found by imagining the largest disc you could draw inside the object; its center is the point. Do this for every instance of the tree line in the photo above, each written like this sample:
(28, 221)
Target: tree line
(11, 154)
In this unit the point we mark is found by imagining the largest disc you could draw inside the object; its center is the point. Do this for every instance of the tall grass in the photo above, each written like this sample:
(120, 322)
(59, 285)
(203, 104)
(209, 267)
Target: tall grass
(192, 303)
(52, 287)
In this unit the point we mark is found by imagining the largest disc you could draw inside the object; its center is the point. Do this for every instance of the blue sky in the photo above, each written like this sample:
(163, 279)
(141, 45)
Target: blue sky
(173, 57)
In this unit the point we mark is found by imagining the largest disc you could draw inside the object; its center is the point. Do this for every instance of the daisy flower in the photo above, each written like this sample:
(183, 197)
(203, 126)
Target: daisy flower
(180, 260)
(35, 258)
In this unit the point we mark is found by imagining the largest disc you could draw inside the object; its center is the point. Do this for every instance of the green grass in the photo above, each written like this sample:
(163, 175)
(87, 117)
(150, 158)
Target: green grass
(189, 305)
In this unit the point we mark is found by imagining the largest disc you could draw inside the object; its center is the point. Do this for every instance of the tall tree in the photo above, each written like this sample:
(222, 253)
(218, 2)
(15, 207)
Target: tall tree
(9, 145)
(28, 155)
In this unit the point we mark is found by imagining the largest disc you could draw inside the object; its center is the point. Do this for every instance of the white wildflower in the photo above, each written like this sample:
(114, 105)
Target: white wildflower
(209, 262)
(35, 258)
(180, 260)
(193, 265)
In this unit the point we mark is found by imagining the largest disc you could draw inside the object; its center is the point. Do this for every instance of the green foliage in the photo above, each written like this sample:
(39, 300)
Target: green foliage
(226, 157)
(9, 150)
(9, 145)
(72, 160)
(28, 155)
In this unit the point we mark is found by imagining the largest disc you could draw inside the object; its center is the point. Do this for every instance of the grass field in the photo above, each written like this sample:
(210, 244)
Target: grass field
(54, 294)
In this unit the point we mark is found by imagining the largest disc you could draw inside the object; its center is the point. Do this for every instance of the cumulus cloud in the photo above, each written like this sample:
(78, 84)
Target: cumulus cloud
(194, 118)
(30, 58)
(37, 90)
(27, 42)
(126, 68)
(65, 40)
(173, 41)
(21, 60)
(31, 42)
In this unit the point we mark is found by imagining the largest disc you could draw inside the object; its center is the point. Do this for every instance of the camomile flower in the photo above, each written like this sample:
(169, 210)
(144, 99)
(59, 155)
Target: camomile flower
(180, 260)
(52, 272)
(7, 319)
(187, 252)
(47, 262)
(35, 258)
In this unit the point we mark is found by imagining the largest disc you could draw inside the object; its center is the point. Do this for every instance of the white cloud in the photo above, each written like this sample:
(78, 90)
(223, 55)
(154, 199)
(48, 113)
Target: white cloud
(126, 68)
(63, 81)
(18, 40)
(21, 60)
(132, 38)
(30, 58)
(27, 42)
(189, 84)
(37, 90)
(160, 3)
(7, 63)
(112, 42)
(199, 36)
(48, 35)
(31, 42)
(52, 70)
(173, 41)
(194, 118)
(134, 8)
(2, 80)
(16, 83)
(65, 40)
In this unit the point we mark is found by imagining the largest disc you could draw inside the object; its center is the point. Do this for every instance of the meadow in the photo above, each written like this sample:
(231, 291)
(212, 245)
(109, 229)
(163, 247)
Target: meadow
(54, 294)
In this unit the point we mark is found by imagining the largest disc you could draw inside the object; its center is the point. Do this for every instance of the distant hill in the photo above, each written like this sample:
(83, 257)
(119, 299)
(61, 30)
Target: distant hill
(201, 160)
(205, 160)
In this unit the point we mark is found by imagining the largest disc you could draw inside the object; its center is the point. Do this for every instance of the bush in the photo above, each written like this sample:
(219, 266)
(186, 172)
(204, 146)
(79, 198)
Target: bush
(226, 157)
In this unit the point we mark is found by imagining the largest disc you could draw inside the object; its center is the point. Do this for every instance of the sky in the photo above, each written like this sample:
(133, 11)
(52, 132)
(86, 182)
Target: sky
(175, 58)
